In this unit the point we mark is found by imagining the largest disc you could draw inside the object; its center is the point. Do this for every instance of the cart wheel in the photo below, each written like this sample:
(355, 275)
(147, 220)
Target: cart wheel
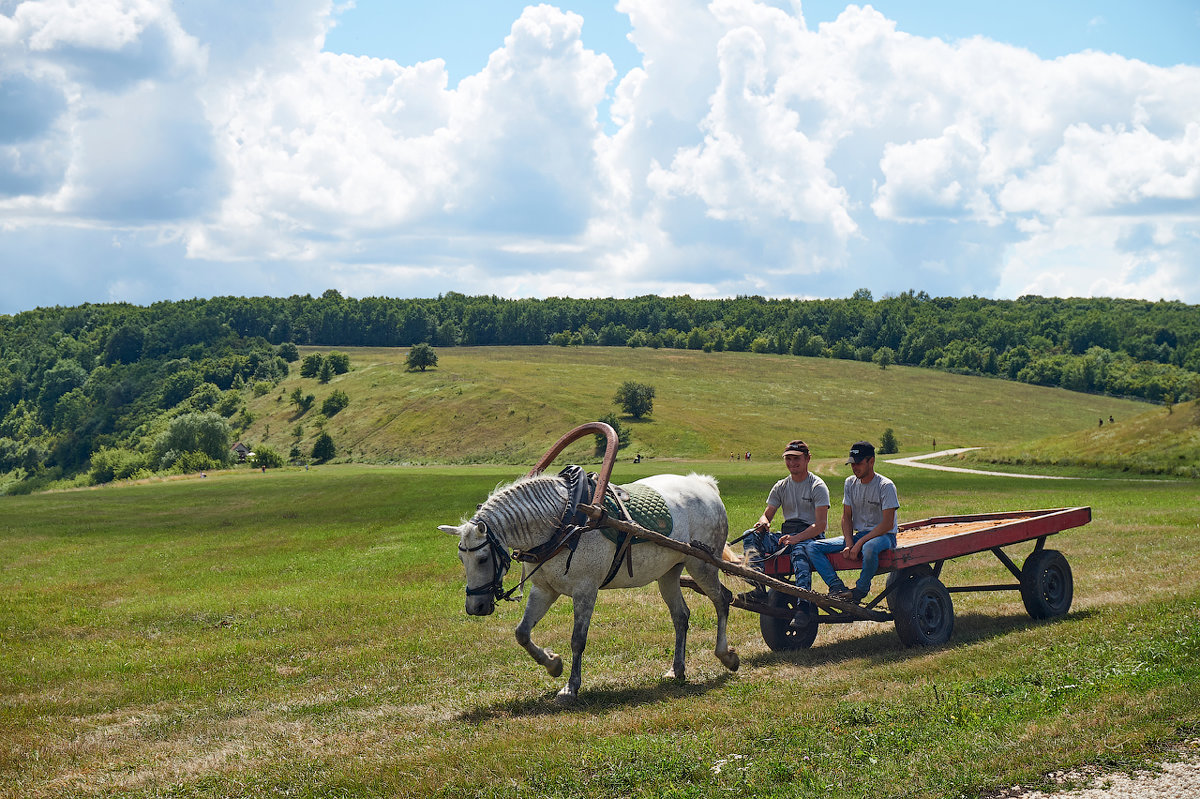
(778, 634)
(896, 598)
(926, 616)
(1046, 584)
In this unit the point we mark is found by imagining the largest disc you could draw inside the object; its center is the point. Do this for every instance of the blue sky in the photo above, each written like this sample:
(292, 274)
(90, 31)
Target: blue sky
(163, 149)
(463, 33)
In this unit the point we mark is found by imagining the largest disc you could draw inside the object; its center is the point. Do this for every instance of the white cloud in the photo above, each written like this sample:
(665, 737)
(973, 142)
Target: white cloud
(748, 153)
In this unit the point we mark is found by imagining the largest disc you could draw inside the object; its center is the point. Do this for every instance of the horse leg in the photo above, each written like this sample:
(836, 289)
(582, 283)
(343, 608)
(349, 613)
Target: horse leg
(540, 600)
(668, 586)
(584, 604)
(705, 575)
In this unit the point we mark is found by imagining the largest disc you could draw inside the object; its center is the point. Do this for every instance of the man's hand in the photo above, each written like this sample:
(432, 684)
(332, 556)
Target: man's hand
(853, 552)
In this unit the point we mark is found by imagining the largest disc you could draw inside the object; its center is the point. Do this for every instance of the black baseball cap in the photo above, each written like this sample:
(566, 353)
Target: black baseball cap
(861, 451)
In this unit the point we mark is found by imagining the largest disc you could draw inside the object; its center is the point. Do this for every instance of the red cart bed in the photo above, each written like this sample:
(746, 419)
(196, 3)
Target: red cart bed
(916, 598)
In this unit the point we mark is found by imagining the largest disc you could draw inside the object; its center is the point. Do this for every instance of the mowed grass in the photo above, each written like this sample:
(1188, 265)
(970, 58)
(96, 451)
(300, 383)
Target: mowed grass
(508, 404)
(301, 633)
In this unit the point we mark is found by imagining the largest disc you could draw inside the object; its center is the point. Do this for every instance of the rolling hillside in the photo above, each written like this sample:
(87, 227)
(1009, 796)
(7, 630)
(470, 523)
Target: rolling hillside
(1157, 440)
(509, 404)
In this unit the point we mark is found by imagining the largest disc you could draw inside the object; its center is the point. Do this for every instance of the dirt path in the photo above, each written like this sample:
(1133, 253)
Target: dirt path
(1178, 779)
(915, 462)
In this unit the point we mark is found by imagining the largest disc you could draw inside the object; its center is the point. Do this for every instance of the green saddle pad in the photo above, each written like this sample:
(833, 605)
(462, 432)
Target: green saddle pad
(646, 506)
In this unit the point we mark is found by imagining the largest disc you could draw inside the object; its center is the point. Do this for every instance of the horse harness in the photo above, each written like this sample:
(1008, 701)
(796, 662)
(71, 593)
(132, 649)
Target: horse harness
(571, 527)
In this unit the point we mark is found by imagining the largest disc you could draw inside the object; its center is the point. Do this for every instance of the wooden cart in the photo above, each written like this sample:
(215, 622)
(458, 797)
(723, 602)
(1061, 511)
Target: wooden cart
(917, 600)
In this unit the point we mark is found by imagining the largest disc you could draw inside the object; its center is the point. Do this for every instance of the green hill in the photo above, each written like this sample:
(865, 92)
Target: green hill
(509, 404)
(1161, 440)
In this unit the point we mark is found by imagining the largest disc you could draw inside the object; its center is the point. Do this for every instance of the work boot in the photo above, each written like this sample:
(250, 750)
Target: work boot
(801, 621)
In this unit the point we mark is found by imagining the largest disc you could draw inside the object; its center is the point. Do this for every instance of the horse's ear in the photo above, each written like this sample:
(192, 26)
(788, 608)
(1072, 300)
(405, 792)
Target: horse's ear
(449, 530)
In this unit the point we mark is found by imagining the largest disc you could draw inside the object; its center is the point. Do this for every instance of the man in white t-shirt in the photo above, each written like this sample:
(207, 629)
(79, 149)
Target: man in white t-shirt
(869, 525)
(804, 498)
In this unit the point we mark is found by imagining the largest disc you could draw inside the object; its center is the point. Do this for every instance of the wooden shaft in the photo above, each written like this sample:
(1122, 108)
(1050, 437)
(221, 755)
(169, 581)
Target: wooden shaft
(821, 600)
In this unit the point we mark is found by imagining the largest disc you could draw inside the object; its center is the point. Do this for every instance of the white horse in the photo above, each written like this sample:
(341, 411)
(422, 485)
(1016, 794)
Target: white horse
(527, 513)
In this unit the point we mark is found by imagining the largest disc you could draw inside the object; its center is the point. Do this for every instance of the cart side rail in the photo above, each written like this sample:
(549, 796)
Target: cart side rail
(1024, 526)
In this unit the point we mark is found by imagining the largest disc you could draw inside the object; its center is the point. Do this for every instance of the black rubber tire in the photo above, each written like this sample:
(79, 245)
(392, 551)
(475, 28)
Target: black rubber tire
(895, 599)
(927, 614)
(1047, 587)
(778, 634)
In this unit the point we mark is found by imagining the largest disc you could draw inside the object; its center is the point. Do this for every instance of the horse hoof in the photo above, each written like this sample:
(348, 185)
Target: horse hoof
(730, 659)
(566, 696)
(671, 674)
(555, 666)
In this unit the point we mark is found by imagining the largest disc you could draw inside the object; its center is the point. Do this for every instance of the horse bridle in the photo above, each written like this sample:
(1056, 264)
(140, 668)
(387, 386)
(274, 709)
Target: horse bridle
(501, 560)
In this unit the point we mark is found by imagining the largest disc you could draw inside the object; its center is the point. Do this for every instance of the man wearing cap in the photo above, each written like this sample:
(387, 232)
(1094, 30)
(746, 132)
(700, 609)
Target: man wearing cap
(869, 527)
(804, 498)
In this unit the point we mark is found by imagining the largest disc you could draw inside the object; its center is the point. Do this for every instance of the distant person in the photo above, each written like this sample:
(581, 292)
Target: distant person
(804, 498)
(869, 527)
(1101, 422)
(1110, 420)
(747, 456)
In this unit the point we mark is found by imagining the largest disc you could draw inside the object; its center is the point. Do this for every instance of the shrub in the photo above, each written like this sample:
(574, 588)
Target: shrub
(287, 350)
(420, 357)
(230, 402)
(311, 365)
(339, 362)
(264, 456)
(325, 373)
(187, 462)
(636, 399)
(116, 464)
(624, 434)
(323, 449)
(205, 433)
(334, 403)
(887, 443)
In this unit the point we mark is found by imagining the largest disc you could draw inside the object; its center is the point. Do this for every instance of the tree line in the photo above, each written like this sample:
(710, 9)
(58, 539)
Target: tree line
(1133, 348)
(111, 378)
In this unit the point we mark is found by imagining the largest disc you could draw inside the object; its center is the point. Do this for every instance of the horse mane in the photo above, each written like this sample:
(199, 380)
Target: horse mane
(525, 505)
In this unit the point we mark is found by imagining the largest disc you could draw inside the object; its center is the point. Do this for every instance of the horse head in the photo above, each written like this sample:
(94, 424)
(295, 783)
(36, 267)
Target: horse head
(486, 561)
(521, 514)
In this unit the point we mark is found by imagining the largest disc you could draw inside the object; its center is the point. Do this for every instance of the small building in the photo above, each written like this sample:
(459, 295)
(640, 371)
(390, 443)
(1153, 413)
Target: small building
(242, 451)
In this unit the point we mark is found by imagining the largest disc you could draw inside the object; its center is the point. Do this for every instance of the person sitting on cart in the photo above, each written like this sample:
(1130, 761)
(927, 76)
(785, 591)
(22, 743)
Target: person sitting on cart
(804, 498)
(869, 526)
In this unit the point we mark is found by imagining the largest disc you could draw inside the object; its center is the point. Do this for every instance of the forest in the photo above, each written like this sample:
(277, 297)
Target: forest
(119, 389)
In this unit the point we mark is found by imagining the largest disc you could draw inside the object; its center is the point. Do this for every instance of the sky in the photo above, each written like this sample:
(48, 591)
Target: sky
(167, 149)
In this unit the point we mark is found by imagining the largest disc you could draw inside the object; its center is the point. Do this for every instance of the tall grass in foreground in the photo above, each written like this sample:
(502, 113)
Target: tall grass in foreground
(302, 634)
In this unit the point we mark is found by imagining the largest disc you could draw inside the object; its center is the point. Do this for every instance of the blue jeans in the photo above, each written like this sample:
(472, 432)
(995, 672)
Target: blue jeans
(767, 545)
(818, 551)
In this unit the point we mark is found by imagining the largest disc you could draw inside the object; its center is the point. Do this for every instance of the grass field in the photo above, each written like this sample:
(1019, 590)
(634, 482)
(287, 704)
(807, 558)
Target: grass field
(301, 633)
(508, 404)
